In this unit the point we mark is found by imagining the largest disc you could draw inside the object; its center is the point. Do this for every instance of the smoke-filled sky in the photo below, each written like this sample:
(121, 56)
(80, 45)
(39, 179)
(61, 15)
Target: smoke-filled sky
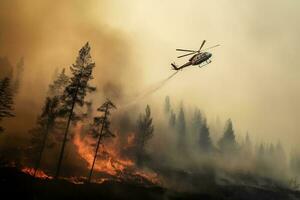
(253, 79)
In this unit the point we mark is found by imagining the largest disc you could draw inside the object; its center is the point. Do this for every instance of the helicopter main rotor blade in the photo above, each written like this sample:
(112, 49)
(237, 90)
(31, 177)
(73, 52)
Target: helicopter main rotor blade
(211, 47)
(187, 50)
(187, 54)
(202, 45)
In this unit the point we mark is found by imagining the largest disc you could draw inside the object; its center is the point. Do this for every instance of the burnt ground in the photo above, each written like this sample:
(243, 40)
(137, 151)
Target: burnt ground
(15, 184)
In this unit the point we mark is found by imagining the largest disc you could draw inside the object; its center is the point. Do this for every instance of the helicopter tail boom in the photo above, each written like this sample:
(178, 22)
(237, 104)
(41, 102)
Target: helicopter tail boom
(174, 66)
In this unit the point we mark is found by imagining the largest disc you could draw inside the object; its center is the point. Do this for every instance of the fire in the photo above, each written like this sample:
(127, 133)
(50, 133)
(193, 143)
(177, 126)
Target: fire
(39, 173)
(107, 161)
(110, 159)
(152, 177)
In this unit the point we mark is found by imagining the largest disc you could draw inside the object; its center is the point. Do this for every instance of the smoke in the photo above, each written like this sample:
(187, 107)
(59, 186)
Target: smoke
(147, 92)
(190, 168)
(49, 36)
(157, 86)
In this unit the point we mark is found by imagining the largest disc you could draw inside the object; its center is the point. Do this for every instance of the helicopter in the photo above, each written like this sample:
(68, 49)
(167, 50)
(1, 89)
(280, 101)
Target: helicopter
(197, 59)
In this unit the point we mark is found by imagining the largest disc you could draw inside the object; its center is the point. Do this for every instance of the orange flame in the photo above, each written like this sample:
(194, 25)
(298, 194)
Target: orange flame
(39, 173)
(109, 158)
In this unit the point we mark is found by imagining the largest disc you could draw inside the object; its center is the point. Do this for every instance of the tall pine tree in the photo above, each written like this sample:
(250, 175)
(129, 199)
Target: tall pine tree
(75, 92)
(59, 84)
(181, 129)
(6, 100)
(144, 133)
(197, 121)
(45, 125)
(100, 128)
(172, 119)
(18, 75)
(247, 146)
(227, 143)
(204, 138)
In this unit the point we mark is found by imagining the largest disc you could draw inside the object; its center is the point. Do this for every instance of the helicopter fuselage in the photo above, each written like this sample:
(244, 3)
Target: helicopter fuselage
(197, 59)
(200, 58)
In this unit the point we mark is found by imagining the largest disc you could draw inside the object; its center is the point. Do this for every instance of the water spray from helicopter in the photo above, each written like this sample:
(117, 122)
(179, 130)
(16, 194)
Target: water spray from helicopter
(199, 58)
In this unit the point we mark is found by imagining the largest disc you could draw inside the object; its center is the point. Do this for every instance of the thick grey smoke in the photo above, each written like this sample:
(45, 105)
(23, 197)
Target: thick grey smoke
(254, 78)
(49, 37)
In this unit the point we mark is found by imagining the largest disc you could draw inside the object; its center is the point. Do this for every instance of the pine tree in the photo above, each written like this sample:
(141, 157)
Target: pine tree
(204, 138)
(281, 160)
(167, 105)
(45, 125)
(18, 74)
(181, 128)
(172, 119)
(59, 84)
(197, 121)
(6, 100)
(6, 69)
(144, 133)
(247, 147)
(261, 157)
(227, 143)
(75, 92)
(100, 128)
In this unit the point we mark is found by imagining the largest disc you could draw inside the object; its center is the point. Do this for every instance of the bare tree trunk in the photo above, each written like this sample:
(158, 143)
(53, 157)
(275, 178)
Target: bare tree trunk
(66, 133)
(37, 165)
(97, 148)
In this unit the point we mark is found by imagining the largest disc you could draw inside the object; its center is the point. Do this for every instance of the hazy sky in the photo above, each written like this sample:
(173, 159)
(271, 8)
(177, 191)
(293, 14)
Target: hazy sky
(253, 79)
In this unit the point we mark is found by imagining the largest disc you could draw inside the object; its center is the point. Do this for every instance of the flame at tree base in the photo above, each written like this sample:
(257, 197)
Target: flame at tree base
(110, 165)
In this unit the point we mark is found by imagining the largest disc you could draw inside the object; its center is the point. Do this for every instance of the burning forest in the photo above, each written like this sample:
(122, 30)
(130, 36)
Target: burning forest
(83, 143)
(80, 120)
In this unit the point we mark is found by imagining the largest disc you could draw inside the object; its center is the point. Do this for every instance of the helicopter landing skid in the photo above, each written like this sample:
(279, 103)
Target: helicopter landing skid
(207, 62)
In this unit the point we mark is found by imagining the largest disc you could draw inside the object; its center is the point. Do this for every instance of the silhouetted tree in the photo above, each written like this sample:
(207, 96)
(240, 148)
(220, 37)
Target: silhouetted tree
(204, 138)
(261, 158)
(172, 119)
(196, 121)
(247, 146)
(6, 100)
(18, 74)
(181, 128)
(216, 128)
(6, 69)
(144, 132)
(280, 157)
(100, 129)
(75, 92)
(261, 150)
(227, 142)
(167, 104)
(295, 162)
(125, 127)
(59, 84)
(45, 124)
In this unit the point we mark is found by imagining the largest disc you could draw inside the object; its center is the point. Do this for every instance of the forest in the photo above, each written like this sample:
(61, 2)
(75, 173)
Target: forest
(83, 140)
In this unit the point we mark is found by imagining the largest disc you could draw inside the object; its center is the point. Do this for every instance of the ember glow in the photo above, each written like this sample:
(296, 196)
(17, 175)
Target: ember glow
(39, 174)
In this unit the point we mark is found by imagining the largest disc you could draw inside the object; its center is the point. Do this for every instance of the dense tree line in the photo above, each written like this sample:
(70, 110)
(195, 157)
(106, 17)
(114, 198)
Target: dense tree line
(67, 103)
